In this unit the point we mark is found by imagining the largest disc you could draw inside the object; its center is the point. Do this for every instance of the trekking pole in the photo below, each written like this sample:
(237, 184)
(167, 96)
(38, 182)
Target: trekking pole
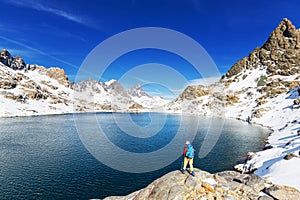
(181, 165)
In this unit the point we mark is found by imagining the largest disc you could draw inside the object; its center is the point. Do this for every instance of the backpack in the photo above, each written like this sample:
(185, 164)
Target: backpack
(190, 152)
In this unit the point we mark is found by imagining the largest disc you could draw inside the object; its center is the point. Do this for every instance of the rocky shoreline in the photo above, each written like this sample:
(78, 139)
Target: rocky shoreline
(228, 185)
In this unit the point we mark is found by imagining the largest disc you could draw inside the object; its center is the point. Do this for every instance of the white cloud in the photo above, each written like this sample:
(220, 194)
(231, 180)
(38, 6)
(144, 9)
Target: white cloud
(204, 81)
(36, 5)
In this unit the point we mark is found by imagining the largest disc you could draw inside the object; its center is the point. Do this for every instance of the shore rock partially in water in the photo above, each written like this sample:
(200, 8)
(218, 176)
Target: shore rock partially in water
(229, 185)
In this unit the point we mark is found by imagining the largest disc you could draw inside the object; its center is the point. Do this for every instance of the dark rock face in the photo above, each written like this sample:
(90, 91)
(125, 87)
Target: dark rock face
(280, 54)
(222, 185)
(16, 63)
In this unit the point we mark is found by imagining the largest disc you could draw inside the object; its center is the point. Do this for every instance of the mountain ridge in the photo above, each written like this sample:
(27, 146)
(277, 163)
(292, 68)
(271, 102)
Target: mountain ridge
(35, 90)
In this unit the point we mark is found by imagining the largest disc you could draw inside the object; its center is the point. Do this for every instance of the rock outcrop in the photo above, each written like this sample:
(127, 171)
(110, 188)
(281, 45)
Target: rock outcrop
(16, 63)
(280, 54)
(192, 92)
(54, 73)
(229, 185)
(136, 106)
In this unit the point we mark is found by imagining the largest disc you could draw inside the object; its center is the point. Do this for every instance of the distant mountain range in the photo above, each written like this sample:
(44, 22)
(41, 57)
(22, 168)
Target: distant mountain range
(27, 89)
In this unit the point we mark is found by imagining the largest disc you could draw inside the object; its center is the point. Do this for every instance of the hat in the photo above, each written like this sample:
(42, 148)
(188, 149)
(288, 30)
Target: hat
(187, 142)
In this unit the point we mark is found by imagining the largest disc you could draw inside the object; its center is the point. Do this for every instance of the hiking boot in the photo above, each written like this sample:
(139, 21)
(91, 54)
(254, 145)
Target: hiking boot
(193, 173)
(183, 171)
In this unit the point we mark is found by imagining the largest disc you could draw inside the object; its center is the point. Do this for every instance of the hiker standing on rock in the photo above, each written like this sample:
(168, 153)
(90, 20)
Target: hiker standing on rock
(188, 157)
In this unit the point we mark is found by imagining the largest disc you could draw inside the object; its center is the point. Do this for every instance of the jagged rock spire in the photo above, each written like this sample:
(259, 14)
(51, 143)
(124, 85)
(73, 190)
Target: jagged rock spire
(280, 54)
(285, 36)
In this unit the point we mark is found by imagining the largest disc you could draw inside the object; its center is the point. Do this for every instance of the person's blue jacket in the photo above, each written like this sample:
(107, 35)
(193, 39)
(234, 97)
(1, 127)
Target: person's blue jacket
(190, 152)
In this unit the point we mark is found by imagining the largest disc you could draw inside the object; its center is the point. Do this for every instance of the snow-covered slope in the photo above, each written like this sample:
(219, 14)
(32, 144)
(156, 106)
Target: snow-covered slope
(33, 93)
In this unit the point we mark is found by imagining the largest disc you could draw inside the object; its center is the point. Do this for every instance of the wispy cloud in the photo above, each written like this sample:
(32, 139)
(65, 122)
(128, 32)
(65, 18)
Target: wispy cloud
(204, 81)
(36, 5)
(37, 51)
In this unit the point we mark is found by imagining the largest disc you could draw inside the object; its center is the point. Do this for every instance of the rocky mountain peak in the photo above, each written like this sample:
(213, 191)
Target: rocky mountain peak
(285, 36)
(94, 85)
(117, 88)
(280, 54)
(16, 63)
(4, 53)
(137, 91)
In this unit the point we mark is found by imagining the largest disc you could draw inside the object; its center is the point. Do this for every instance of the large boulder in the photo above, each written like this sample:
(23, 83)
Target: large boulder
(283, 192)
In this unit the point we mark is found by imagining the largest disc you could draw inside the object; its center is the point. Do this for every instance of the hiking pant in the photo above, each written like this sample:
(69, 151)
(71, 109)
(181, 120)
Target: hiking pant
(187, 160)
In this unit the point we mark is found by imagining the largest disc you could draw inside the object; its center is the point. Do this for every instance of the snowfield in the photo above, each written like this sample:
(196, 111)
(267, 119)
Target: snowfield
(285, 122)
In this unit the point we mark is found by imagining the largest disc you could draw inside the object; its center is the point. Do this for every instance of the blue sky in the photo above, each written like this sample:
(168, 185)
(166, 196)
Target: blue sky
(62, 33)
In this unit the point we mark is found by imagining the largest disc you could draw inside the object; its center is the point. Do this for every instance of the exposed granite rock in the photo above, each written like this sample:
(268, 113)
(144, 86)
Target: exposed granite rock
(55, 73)
(280, 54)
(251, 180)
(283, 192)
(192, 92)
(8, 83)
(136, 106)
(297, 101)
(222, 185)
